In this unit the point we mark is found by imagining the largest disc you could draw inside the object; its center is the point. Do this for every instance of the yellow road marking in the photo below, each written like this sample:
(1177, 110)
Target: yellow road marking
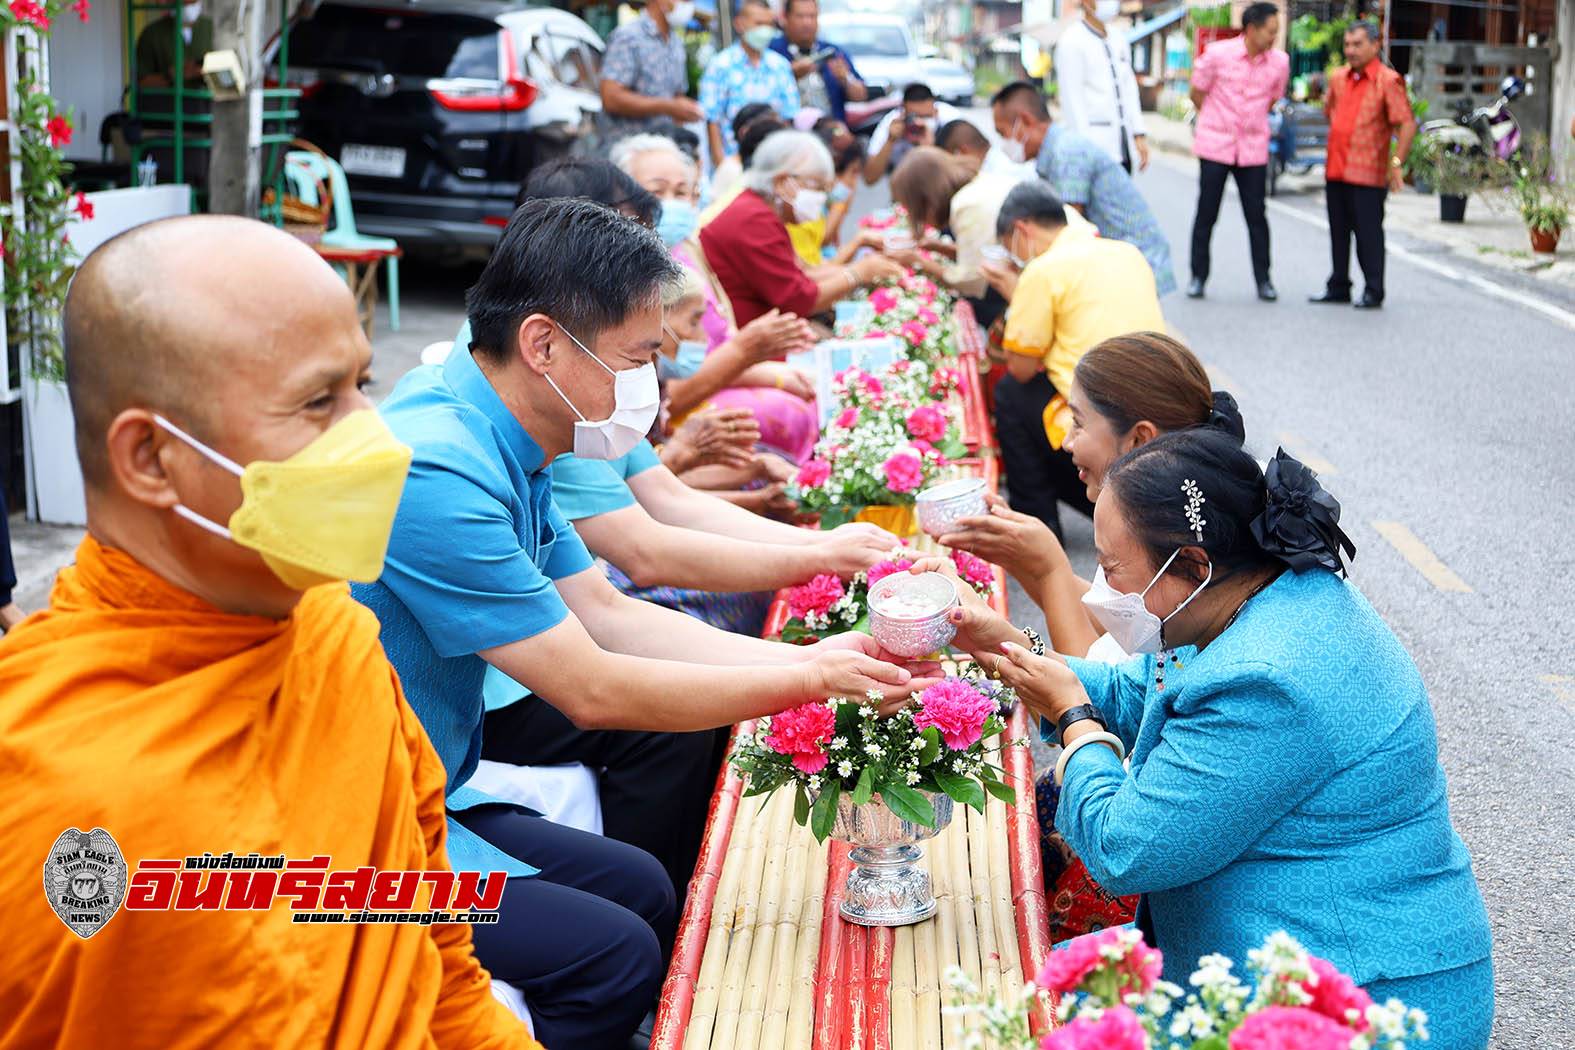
(1300, 448)
(1421, 558)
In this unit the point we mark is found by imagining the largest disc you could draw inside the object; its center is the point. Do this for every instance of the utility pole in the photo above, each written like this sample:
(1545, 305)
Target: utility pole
(1563, 100)
(234, 176)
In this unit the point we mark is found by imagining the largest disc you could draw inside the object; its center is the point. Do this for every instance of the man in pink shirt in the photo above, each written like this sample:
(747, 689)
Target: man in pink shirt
(1235, 84)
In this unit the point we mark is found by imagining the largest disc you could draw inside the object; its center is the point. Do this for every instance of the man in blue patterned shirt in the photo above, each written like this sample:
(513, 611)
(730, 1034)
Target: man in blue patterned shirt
(645, 74)
(748, 71)
(1082, 175)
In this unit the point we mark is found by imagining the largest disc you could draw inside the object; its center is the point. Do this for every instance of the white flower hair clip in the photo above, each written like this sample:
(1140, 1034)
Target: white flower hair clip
(1195, 501)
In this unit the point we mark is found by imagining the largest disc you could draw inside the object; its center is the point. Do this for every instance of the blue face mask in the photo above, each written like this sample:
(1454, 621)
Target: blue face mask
(677, 222)
(690, 356)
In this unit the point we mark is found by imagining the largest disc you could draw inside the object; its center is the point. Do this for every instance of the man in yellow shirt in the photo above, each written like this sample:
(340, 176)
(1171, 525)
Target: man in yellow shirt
(1075, 290)
(200, 683)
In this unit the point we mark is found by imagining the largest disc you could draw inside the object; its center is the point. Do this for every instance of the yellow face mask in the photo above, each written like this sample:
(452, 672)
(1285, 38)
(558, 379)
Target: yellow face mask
(324, 514)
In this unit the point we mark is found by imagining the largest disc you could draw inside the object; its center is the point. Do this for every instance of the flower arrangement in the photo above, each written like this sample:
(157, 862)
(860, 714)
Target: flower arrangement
(914, 308)
(1111, 997)
(889, 438)
(39, 258)
(941, 743)
(826, 605)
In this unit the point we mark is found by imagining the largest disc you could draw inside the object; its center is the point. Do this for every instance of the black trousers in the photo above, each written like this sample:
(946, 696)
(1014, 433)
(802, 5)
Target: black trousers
(1036, 474)
(582, 941)
(1251, 183)
(1356, 210)
(655, 787)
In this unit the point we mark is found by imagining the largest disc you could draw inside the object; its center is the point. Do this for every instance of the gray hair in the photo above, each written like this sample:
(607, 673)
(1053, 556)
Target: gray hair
(787, 153)
(625, 150)
(686, 285)
(1366, 26)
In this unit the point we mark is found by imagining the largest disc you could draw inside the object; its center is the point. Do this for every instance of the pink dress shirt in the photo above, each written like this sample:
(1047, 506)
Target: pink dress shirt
(1233, 127)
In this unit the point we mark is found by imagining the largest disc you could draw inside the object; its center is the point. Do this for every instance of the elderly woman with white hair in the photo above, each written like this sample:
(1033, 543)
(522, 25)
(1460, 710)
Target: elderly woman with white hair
(747, 246)
(721, 366)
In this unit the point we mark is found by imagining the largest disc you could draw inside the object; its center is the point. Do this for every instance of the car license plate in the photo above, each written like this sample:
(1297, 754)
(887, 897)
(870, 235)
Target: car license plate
(384, 161)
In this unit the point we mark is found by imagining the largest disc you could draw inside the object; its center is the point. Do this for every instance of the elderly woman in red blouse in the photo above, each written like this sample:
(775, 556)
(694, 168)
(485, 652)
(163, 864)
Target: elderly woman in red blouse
(747, 246)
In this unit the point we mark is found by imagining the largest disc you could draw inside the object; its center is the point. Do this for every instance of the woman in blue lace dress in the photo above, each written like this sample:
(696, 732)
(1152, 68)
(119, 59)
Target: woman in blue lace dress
(1284, 776)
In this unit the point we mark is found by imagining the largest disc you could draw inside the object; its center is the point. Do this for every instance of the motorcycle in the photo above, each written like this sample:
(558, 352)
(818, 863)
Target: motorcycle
(1487, 131)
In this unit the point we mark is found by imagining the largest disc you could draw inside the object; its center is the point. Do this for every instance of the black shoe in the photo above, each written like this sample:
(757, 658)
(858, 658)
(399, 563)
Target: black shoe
(1330, 297)
(1369, 301)
(1195, 289)
(1266, 291)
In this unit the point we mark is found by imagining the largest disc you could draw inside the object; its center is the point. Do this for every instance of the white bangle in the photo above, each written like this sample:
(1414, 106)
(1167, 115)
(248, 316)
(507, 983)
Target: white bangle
(1110, 739)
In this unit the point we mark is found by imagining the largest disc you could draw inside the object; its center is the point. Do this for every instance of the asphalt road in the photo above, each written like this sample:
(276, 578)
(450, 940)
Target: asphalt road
(1448, 415)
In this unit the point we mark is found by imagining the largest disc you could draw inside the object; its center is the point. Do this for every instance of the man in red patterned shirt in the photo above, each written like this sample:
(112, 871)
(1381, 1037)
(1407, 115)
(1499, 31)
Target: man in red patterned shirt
(1367, 108)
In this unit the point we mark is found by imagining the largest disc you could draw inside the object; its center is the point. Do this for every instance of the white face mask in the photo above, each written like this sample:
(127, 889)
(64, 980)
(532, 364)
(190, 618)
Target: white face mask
(189, 13)
(808, 205)
(1127, 618)
(681, 15)
(1107, 11)
(636, 399)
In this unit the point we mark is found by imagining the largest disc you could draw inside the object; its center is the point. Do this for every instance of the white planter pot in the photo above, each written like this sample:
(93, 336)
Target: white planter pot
(54, 479)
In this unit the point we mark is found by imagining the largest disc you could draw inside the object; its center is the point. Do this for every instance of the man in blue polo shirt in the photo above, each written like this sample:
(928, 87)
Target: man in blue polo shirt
(482, 569)
(827, 79)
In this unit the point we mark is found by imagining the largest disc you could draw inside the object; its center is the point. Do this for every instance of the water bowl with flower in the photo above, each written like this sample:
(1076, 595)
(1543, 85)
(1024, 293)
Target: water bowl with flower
(910, 614)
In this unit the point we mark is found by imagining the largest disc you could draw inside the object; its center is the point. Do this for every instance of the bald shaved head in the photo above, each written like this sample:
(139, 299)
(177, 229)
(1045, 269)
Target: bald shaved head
(237, 334)
(167, 314)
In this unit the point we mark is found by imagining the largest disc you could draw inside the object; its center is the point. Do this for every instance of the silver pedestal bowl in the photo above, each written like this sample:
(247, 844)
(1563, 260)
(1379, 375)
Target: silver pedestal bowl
(886, 886)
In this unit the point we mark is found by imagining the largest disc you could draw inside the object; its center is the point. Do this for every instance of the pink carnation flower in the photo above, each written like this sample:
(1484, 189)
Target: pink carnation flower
(1290, 1028)
(802, 733)
(914, 332)
(846, 418)
(1067, 968)
(883, 300)
(957, 709)
(817, 596)
(904, 472)
(924, 448)
(882, 569)
(927, 422)
(1336, 995)
(974, 569)
(1116, 1029)
(928, 316)
(871, 384)
(945, 381)
(814, 473)
(900, 367)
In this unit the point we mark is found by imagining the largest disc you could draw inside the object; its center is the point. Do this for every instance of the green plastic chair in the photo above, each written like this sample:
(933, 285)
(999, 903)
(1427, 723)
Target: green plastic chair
(342, 233)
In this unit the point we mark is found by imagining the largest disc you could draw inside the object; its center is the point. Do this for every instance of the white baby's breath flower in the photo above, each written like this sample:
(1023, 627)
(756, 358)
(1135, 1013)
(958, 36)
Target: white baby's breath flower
(912, 778)
(814, 782)
(844, 768)
(839, 743)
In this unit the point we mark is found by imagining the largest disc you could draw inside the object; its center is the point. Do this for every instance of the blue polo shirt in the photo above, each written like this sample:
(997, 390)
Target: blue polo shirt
(582, 488)
(836, 94)
(476, 546)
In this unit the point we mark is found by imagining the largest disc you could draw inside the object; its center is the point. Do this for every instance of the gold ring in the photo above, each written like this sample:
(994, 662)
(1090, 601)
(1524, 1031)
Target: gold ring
(995, 673)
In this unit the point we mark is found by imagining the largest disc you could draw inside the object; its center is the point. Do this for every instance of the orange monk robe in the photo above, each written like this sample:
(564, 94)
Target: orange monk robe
(134, 706)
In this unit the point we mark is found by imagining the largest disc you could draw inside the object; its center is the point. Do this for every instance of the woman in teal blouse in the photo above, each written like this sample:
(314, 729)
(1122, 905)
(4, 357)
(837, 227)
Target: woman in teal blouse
(1286, 775)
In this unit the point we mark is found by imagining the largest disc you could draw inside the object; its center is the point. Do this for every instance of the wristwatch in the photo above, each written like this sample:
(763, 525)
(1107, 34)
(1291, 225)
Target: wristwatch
(1080, 713)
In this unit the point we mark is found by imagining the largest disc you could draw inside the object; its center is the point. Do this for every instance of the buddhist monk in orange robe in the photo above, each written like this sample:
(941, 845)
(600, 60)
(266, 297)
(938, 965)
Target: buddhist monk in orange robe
(180, 695)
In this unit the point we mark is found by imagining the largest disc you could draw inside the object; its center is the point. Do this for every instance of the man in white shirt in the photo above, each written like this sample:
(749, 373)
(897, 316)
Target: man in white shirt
(911, 125)
(1096, 87)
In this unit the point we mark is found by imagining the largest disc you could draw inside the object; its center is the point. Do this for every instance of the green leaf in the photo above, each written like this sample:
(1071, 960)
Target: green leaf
(1001, 791)
(961, 789)
(800, 805)
(908, 804)
(865, 788)
(953, 448)
(794, 632)
(823, 816)
(932, 746)
(833, 517)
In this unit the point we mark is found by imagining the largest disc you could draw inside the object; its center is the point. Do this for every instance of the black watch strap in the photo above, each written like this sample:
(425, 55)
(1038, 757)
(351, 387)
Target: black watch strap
(1080, 713)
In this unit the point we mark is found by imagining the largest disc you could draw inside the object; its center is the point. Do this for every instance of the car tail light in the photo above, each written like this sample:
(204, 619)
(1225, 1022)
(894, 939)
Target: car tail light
(512, 92)
(500, 221)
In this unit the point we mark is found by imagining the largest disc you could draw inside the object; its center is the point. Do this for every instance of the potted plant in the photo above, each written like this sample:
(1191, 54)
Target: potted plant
(1453, 173)
(40, 258)
(1542, 201)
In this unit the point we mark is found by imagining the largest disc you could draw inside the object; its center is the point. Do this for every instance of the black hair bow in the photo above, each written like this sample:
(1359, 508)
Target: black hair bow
(1300, 523)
